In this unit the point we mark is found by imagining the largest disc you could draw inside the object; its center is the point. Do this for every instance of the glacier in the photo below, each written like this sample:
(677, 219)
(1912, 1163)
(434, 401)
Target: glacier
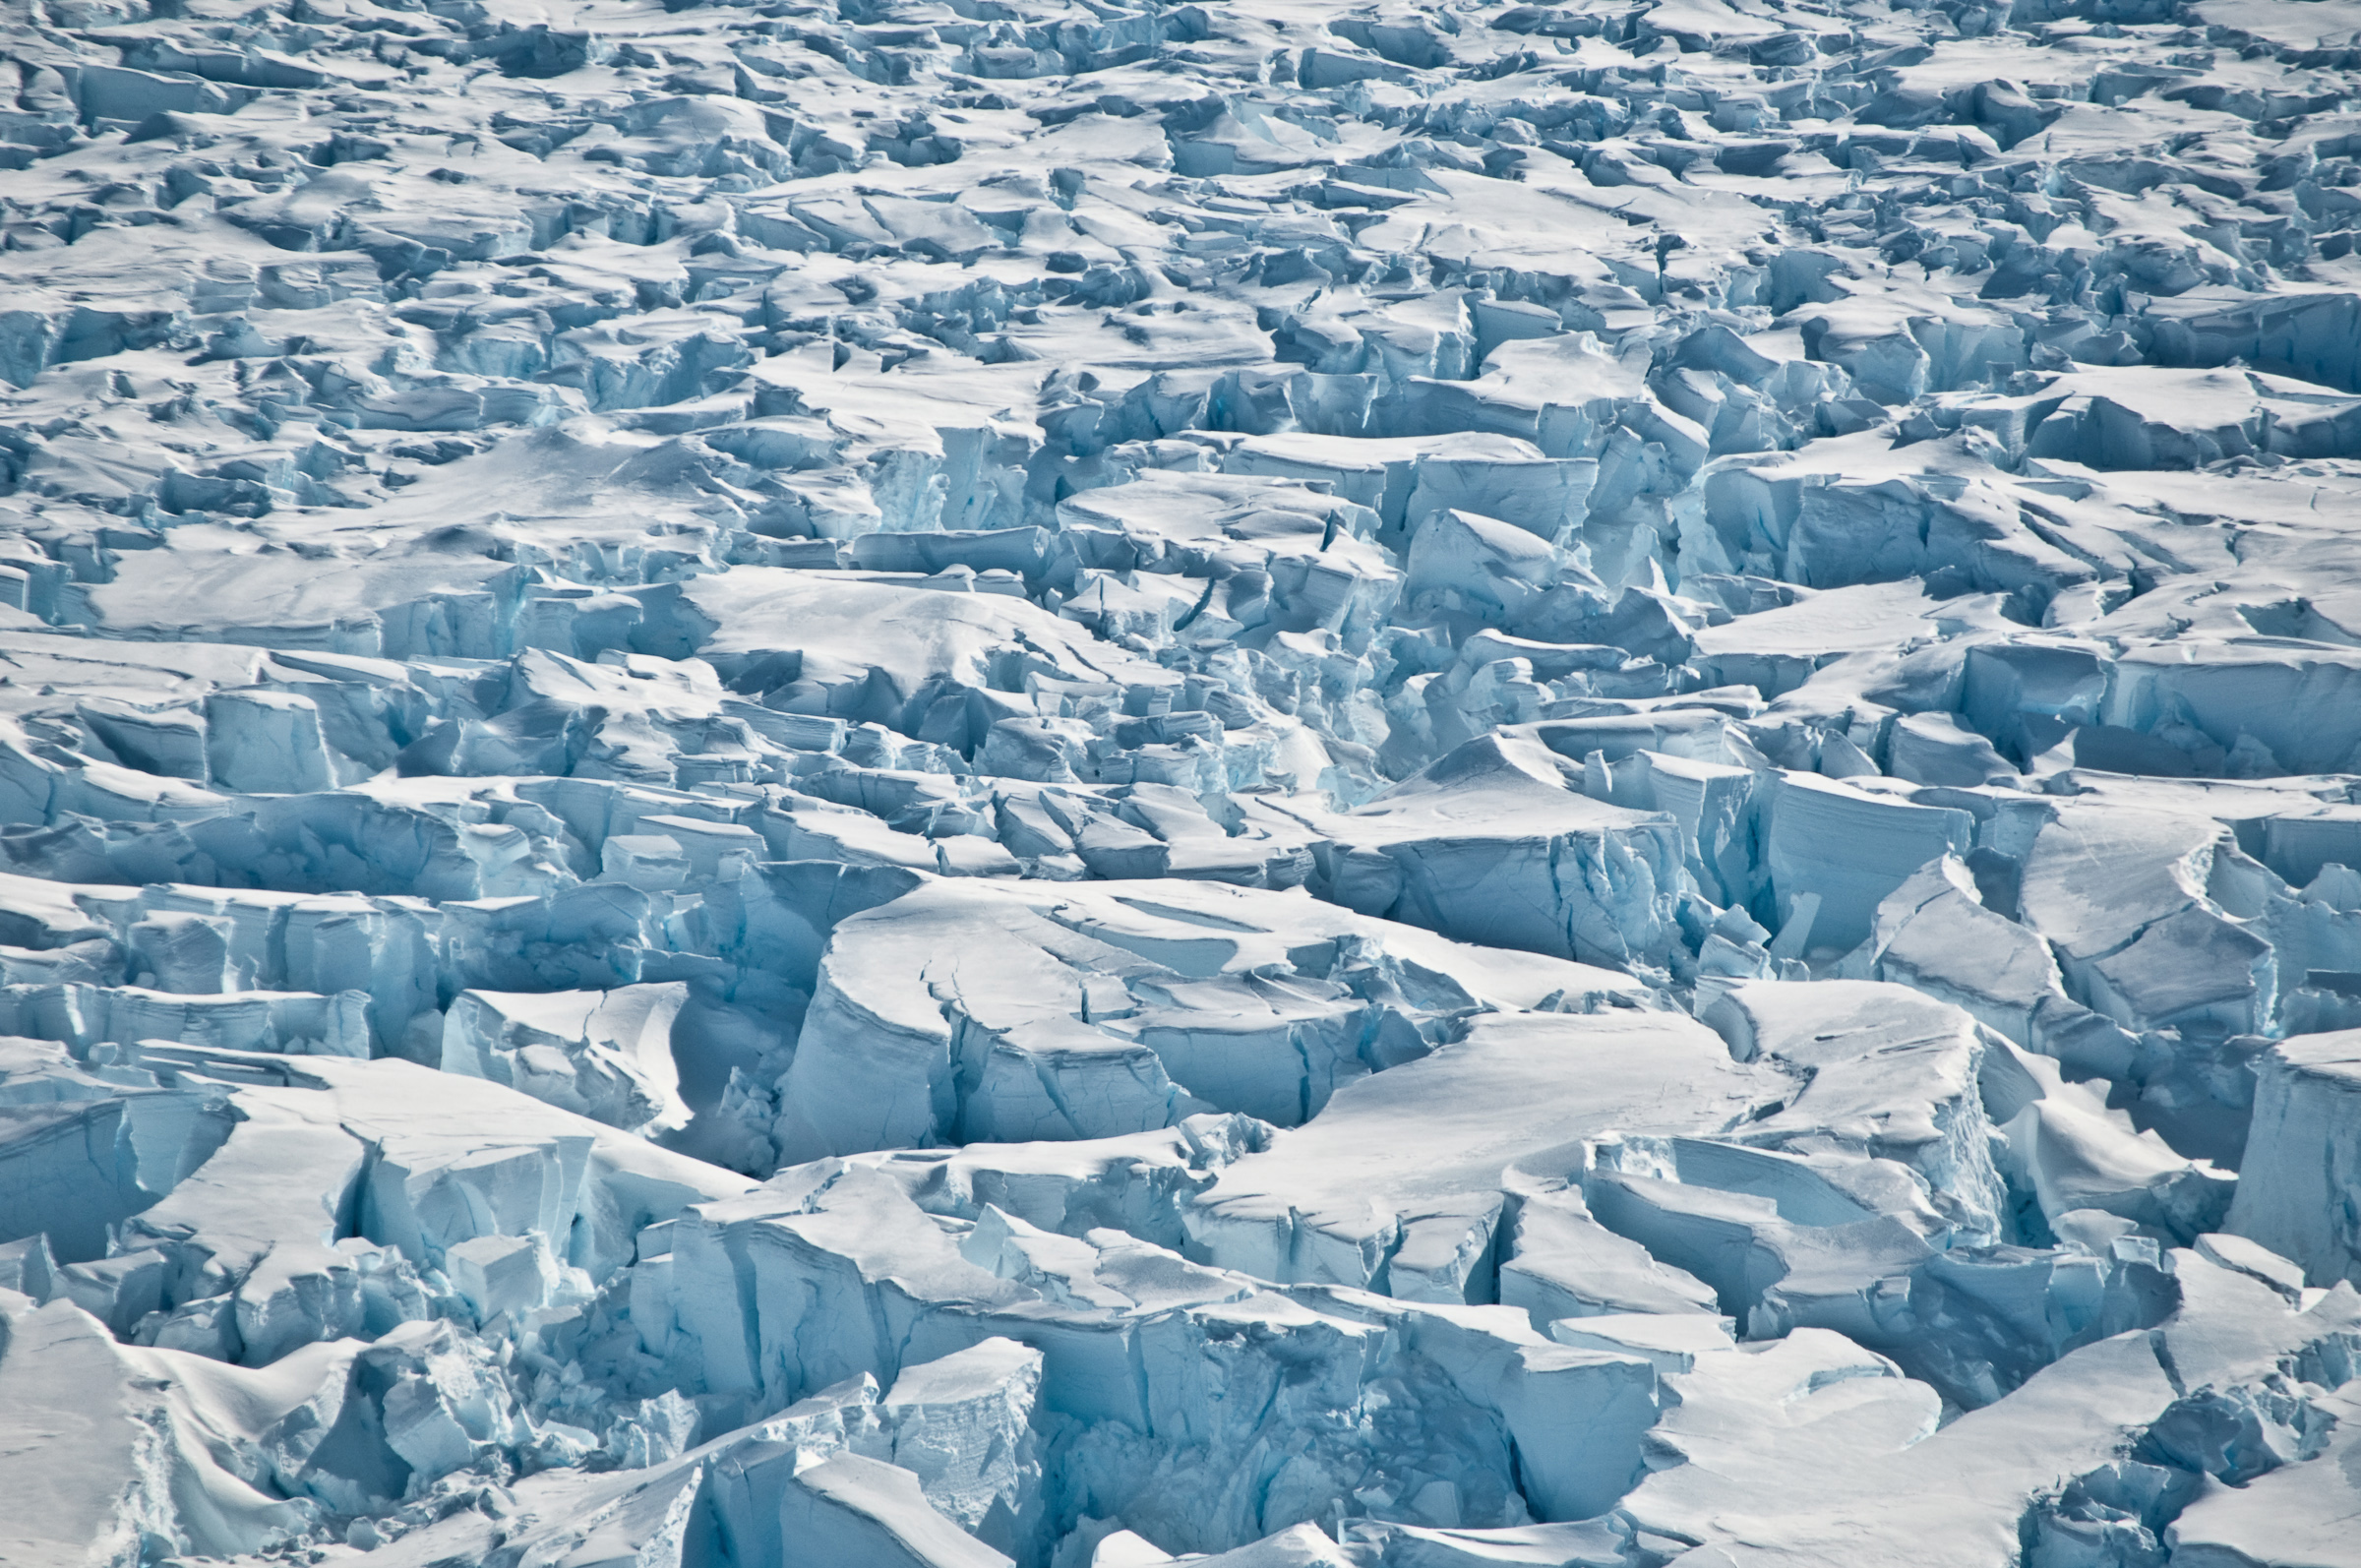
(1095, 783)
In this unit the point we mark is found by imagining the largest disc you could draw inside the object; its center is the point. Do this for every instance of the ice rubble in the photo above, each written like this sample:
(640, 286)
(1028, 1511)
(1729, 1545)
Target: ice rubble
(1427, 783)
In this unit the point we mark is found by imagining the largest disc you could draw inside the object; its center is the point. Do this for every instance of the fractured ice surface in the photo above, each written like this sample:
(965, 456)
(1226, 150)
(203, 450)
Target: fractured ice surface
(1409, 784)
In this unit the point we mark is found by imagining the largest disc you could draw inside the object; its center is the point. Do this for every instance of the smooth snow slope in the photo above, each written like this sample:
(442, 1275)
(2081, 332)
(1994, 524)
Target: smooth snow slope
(1077, 783)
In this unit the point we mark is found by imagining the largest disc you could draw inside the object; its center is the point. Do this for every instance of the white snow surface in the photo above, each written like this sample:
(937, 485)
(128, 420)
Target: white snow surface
(1086, 783)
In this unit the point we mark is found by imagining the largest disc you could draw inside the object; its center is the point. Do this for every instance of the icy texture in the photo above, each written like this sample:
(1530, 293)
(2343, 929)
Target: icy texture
(1084, 783)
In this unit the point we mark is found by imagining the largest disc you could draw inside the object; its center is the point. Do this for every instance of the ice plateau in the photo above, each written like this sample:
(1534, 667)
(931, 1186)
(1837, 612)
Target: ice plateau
(1091, 783)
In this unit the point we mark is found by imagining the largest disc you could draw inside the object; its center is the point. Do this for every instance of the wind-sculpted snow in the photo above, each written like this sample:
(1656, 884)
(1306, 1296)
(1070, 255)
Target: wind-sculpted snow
(1082, 783)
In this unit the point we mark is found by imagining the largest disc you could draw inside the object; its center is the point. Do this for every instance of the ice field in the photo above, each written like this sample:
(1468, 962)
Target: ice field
(1280, 783)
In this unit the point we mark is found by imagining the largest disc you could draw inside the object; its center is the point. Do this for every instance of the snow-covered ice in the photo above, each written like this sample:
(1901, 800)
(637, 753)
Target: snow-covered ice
(1087, 783)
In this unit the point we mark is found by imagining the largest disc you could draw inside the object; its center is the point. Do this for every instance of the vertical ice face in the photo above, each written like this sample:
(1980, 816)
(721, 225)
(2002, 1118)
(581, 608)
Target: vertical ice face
(1311, 786)
(2296, 1191)
(963, 1426)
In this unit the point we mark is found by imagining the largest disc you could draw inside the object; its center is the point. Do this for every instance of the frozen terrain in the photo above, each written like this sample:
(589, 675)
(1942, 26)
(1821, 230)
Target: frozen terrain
(1074, 784)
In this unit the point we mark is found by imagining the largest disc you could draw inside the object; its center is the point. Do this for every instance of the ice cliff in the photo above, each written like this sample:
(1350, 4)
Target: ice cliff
(1081, 783)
